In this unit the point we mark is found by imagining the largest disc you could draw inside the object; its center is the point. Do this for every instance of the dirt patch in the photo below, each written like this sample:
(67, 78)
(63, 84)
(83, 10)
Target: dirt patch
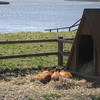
(29, 88)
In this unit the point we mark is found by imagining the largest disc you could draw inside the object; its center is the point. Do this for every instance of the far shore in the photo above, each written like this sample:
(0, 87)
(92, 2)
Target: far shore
(85, 0)
(4, 2)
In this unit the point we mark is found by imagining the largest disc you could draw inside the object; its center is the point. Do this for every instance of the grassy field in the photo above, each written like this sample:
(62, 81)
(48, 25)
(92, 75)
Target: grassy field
(31, 48)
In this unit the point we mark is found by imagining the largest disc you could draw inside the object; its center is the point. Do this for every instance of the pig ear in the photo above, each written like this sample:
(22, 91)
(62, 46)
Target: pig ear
(52, 71)
(48, 69)
(57, 71)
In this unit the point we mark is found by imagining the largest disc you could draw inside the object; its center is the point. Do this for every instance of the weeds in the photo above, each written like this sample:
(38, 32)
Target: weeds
(48, 96)
(95, 97)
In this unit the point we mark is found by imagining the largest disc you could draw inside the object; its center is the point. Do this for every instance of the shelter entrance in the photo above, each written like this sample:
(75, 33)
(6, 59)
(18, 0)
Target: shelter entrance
(84, 50)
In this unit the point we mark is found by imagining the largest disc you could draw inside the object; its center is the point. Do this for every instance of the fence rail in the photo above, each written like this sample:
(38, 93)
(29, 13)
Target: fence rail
(69, 28)
(60, 52)
(66, 40)
(28, 55)
(28, 41)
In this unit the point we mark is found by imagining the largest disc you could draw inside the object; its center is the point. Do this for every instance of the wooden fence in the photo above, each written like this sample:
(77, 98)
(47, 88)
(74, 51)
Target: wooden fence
(60, 52)
(69, 28)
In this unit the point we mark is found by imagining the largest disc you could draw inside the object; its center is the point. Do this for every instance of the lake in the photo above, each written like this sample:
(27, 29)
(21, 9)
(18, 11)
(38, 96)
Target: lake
(38, 15)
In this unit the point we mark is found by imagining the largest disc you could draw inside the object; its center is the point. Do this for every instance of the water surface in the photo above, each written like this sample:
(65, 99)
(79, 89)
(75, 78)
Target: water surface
(38, 15)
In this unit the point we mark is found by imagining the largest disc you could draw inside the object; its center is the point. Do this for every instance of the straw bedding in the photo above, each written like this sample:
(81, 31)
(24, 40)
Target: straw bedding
(87, 68)
(29, 88)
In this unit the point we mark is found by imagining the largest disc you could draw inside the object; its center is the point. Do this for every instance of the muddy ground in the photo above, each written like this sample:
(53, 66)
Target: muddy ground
(27, 87)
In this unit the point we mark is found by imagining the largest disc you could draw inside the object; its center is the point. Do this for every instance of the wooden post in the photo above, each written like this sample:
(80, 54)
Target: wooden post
(69, 29)
(60, 50)
(57, 30)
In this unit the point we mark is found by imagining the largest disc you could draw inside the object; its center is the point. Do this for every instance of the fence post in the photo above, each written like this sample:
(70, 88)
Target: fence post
(69, 29)
(50, 30)
(57, 30)
(60, 50)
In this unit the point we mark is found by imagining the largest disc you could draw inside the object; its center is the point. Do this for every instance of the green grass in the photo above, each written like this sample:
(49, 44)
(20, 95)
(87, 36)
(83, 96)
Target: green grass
(31, 48)
(95, 97)
(48, 96)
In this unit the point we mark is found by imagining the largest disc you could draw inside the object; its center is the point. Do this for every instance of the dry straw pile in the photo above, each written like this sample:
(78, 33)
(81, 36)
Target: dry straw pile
(29, 88)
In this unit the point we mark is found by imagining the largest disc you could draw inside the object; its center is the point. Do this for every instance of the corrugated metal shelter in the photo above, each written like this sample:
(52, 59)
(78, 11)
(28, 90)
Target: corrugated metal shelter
(86, 46)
